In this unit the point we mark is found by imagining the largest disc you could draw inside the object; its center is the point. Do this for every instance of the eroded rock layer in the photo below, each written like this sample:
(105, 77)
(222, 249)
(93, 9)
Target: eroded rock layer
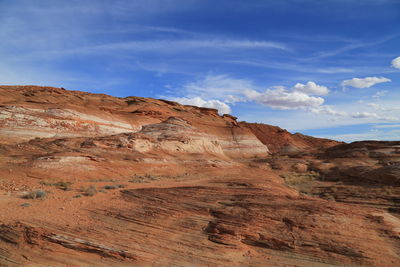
(94, 180)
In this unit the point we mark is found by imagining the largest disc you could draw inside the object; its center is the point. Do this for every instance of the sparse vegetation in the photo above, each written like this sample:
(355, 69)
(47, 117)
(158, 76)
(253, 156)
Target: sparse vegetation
(147, 178)
(90, 191)
(301, 181)
(327, 196)
(114, 186)
(388, 190)
(102, 180)
(66, 186)
(109, 187)
(294, 178)
(35, 194)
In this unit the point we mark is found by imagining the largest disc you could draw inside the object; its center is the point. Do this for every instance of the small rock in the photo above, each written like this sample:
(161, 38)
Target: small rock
(26, 204)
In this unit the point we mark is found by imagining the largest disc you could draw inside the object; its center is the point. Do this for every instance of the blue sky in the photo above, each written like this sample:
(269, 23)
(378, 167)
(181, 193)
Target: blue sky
(325, 68)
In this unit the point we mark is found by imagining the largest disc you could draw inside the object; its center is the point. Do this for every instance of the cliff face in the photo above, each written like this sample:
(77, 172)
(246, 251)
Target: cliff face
(94, 180)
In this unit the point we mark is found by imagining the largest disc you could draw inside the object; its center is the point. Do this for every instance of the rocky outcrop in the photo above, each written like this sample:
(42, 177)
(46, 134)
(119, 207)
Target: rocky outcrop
(279, 140)
(23, 123)
(29, 112)
(146, 182)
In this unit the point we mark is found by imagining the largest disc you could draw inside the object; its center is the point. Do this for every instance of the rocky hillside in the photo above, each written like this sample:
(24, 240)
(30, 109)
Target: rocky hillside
(94, 180)
(279, 140)
(29, 112)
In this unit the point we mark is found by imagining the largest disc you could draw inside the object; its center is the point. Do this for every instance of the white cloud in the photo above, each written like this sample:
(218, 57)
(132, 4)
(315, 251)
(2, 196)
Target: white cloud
(163, 46)
(372, 115)
(363, 115)
(380, 94)
(218, 86)
(334, 70)
(231, 90)
(364, 82)
(219, 91)
(374, 106)
(233, 99)
(387, 126)
(396, 63)
(198, 101)
(311, 88)
(368, 135)
(280, 98)
(328, 110)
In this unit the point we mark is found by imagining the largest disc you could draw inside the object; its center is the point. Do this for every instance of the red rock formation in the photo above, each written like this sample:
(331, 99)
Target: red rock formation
(280, 140)
(138, 181)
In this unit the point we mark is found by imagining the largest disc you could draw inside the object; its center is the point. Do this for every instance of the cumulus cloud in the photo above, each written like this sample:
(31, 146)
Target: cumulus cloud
(222, 91)
(222, 107)
(228, 90)
(280, 98)
(396, 63)
(364, 82)
(311, 88)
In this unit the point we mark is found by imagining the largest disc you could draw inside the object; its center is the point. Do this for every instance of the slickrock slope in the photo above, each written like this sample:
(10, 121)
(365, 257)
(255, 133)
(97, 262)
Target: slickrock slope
(280, 140)
(28, 112)
(145, 182)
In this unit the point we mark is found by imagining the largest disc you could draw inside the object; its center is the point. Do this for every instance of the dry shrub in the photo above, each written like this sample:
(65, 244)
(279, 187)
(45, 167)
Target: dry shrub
(90, 191)
(34, 194)
(294, 178)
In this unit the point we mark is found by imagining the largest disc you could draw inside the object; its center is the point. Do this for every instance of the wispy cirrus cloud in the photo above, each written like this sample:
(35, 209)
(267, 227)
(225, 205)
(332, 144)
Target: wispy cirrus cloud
(168, 45)
(387, 126)
(328, 110)
(380, 94)
(217, 86)
(351, 46)
(172, 46)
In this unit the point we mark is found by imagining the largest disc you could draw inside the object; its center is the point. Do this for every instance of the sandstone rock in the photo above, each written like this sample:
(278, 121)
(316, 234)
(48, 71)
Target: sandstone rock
(191, 188)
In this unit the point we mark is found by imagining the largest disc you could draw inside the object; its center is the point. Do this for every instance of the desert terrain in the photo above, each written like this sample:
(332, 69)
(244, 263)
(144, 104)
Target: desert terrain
(94, 180)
